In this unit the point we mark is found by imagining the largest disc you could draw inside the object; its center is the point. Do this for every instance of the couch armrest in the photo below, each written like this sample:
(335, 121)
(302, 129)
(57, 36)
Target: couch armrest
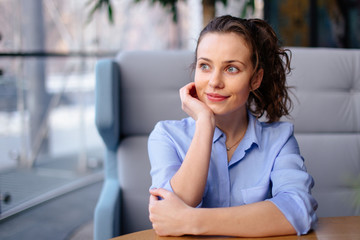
(107, 211)
(107, 102)
(107, 120)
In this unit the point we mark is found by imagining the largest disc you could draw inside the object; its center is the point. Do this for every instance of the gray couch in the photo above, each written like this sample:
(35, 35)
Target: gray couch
(137, 89)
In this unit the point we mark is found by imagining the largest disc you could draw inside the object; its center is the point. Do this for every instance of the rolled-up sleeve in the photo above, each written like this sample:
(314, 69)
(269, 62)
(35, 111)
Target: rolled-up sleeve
(291, 188)
(163, 157)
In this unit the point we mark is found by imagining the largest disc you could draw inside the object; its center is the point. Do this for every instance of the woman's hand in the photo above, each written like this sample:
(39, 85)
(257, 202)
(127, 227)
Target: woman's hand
(168, 215)
(189, 182)
(192, 105)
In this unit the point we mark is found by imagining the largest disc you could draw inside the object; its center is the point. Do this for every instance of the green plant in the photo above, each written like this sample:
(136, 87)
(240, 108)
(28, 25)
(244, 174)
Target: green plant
(97, 6)
(248, 4)
(170, 4)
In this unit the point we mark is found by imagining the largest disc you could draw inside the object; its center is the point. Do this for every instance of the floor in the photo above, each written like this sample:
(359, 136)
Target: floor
(47, 179)
(84, 232)
(66, 217)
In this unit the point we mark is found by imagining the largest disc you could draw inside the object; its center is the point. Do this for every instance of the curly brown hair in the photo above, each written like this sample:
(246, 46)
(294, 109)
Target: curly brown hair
(271, 98)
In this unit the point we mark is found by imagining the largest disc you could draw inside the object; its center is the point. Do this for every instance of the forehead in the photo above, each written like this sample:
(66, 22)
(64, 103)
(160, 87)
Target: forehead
(224, 45)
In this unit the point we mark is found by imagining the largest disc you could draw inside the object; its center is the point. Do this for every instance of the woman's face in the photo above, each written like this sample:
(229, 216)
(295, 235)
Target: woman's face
(223, 72)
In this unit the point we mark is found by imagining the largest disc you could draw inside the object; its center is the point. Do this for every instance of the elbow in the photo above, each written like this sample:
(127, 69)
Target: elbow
(298, 210)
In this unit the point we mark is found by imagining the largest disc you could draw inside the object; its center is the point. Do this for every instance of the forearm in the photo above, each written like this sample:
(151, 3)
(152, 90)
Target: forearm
(254, 220)
(190, 180)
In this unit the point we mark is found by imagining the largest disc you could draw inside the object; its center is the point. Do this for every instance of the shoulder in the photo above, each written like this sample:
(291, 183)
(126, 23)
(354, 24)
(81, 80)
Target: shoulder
(175, 125)
(181, 127)
(277, 128)
(275, 134)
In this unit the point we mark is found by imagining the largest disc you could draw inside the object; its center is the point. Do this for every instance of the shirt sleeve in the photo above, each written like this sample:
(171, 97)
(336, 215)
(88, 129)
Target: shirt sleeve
(291, 188)
(163, 156)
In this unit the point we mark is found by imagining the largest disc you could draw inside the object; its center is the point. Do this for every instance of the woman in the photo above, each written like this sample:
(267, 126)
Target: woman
(221, 171)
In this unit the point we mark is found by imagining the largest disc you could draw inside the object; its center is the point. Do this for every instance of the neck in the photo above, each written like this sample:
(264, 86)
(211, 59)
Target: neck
(233, 125)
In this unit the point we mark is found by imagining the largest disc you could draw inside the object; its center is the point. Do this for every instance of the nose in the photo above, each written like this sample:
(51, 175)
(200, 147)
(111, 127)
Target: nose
(216, 80)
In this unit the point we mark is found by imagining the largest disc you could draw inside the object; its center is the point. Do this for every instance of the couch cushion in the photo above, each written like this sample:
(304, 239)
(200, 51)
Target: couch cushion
(333, 160)
(327, 90)
(327, 124)
(135, 180)
(149, 95)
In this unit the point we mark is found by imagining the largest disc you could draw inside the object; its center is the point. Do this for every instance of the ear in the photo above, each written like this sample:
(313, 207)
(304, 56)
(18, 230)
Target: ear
(257, 79)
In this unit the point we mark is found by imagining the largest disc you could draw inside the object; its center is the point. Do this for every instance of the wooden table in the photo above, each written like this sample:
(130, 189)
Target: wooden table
(332, 228)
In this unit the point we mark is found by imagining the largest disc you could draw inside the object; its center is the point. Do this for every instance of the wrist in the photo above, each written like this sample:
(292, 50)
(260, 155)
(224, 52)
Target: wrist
(195, 224)
(206, 120)
(191, 223)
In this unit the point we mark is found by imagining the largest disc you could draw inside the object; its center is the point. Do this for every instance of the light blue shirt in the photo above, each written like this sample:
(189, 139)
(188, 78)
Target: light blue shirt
(266, 165)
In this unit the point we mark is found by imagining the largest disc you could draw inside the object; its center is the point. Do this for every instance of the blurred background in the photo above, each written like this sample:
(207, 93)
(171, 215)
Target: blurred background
(49, 146)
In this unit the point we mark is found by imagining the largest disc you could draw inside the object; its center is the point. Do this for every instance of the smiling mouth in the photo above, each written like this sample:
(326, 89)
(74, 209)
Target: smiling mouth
(216, 97)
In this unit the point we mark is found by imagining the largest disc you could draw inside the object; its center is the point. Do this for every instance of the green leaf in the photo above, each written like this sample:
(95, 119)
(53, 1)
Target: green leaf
(110, 14)
(249, 4)
(174, 12)
(99, 4)
(223, 2)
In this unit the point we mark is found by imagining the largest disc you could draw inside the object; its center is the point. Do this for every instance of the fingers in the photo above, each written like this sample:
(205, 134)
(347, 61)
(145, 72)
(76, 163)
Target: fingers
(160, 192)
(155, 195)
(152, 199)
(188, 90)
(190, 102)
(152, 205)
(193, 92)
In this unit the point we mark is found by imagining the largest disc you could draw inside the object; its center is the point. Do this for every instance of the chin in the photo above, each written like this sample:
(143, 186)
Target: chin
(227, 112)
(218, 112)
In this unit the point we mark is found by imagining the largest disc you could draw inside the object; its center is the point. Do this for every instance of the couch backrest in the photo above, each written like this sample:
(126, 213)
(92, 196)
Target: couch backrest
(326, 116)
(150, 82)
(327, 85)
(327, 124)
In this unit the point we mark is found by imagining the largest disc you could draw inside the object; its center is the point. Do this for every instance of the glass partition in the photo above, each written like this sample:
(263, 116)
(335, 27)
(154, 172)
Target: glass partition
(65, 151)
(49, 144)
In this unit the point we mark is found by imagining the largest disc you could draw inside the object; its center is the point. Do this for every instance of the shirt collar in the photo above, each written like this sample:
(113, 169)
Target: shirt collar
(217, 134)
(253, 132)
(252, 135)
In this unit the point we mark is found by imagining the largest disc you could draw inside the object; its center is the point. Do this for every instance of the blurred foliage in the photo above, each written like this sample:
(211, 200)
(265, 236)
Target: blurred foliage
(249, 4)
(170, 4)
(97, 6)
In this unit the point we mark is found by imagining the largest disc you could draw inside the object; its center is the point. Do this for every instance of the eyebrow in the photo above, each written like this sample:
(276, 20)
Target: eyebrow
(228, 61)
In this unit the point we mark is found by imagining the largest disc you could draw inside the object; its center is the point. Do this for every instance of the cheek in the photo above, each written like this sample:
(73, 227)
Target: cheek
(197, 77)
(199, 90)
(199, 82)
(242, 93)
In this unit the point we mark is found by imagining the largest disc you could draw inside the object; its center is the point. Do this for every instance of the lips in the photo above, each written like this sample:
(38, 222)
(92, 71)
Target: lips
(215, 97)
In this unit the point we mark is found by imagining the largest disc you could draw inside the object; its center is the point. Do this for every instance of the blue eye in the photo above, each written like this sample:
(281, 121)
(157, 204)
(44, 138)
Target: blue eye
(232, 69)
(204, 67)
